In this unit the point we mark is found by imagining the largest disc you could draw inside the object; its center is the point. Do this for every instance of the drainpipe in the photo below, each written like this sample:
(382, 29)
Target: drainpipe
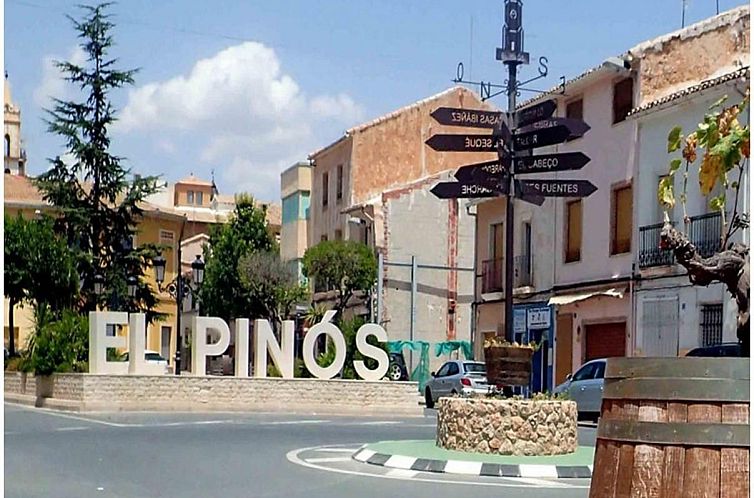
(474, 305)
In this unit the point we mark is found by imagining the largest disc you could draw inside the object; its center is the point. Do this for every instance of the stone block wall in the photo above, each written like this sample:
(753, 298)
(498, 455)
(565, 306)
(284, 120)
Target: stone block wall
(507, 427)
(186, 393)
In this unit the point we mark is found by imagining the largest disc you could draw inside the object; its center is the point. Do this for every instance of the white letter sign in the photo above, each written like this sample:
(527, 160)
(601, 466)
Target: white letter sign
(200, 349)
(370, 351)
(324, 327)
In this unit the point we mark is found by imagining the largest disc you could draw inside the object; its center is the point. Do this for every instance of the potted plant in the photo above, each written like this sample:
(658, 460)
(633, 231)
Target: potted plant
(508, 363)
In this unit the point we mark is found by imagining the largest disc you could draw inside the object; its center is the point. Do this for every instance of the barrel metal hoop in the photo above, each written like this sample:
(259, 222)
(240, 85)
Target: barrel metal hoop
(675, 433)
(675, 389)
(684, 367)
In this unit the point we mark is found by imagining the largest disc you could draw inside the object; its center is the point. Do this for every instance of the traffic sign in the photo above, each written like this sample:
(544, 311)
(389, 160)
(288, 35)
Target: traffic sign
(468, 173)
(531, 198)
(558, 188)
(464, 143)
(547, 163)
(471, 118)
(548, 132)
(456, 190)
(535, 113)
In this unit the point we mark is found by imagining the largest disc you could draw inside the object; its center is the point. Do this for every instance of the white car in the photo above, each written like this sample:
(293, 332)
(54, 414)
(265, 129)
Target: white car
(152, 358)
(585, 387)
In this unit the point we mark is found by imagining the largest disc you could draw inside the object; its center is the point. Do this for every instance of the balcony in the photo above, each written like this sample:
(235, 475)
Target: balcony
(650, 253)
(522, 271)
(492, 275)
(703, 231)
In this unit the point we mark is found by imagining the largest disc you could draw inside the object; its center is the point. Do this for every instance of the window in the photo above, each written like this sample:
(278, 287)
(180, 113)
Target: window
(587, 372)
(338, 234)
(497, 238)
(475, 367)
(443, 371)
(167, 237)
(190, 197)
(622, 208)
(165, 333)
(623, 99)
(323, 238)
(340, 182)
(7, 145)
(573, 231)
(575, 109)
(711, 324)
(325, 185)
(453, 369)
(199, 198)
(527, 244)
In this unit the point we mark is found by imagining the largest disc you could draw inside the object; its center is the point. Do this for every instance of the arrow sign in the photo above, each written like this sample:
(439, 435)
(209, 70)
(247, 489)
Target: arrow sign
(546, 163)
(558, 188)
(548, 132)
(464, 143)
(470, 173)
(535, 113)
(467, 117)
(456, 190)
(535, 199)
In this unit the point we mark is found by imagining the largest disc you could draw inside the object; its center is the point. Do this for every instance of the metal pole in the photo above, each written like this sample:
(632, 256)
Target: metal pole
(380, 277)
(179, 304)
(512, 66)
(413, 310)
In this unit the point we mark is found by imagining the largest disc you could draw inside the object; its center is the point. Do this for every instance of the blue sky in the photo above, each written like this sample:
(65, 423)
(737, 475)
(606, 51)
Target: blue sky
(249, 87)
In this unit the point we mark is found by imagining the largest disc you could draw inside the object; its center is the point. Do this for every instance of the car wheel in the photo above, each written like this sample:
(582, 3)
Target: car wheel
(454, 392)
(428, 399)
(394, 372)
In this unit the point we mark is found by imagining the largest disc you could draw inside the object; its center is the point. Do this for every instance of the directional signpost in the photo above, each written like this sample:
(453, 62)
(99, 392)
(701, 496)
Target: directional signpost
(515, 135)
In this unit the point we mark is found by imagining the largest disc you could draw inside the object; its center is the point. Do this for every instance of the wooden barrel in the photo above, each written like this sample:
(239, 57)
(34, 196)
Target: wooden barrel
(673, 427)
(508, 365)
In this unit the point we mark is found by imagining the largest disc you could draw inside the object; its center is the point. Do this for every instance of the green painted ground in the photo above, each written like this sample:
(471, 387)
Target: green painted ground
(426, 448)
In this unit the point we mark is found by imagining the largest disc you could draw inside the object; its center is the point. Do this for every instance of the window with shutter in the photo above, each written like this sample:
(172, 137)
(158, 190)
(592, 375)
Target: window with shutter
(622, 224)
(573, 231)
(623, 99)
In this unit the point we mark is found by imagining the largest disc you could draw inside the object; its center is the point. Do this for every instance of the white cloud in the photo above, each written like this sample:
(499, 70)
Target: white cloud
(53, 84)
(248, 119)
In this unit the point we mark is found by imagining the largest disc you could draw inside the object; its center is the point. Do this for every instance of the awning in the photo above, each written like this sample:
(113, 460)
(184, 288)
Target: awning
(572, 298)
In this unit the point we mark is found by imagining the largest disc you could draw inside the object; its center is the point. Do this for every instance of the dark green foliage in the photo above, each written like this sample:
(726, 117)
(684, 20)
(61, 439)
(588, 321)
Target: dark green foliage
(59, 345)
(345, 266)
(223, 293)
(271, 284)
(98, 216)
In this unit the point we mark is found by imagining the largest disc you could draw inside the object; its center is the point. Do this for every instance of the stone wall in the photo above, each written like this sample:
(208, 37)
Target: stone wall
(186, 393)
(507, 427)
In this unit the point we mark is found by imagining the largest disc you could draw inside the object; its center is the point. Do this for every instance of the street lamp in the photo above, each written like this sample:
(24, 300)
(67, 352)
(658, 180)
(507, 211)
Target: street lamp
(197, 268)
(159, 269)
(99, 284)
(132, 283)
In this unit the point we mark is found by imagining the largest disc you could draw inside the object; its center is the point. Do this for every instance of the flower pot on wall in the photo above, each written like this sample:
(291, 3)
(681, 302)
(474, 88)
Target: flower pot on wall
(508, 365)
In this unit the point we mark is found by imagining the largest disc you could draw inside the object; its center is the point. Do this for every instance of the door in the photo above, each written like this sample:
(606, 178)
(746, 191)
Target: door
(604, 340)
(437, 384)
(165, 334)
(563, 347)
(592, 389)
(660, 327)
(451, 379)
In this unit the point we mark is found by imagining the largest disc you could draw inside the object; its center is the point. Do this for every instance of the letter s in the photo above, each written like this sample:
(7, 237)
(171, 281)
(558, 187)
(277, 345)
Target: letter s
(369, 351)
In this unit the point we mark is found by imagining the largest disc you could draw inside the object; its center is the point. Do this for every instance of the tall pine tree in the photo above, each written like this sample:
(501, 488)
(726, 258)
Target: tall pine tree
(98, 201)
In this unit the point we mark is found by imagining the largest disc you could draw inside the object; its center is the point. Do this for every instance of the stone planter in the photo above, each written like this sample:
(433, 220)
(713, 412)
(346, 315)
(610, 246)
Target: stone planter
(45, 385)
(507, 427)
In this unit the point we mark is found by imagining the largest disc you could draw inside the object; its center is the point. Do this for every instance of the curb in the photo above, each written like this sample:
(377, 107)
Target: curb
(365, 455)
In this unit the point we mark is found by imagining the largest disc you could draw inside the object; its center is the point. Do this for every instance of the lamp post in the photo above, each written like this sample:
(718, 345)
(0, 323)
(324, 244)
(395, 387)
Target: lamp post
(178, 288)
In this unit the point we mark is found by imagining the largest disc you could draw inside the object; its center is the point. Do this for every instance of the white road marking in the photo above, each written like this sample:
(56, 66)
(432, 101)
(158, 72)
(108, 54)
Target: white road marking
(328, 459)
(462, 467)
(400, 462)
(590, 468)
(538, 471)
(500, 482)
(419, 425)
(54, 413)
(401, 473)
(379, 422)
(338, 450)
(295, 422)
(364, 455)
(72, 429)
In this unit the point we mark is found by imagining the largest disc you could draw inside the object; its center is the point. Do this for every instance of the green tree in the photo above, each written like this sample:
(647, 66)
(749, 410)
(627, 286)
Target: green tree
(223, 293)
(60, 345)
(724, 146)
(271, 284)
(40, 269)
(345, 266)
(99, 215)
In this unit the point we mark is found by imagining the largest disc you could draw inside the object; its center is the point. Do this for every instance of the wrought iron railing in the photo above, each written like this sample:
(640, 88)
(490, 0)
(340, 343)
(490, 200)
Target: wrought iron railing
(711, 324)
(705, 233)
(492, 275)
(650, 253)
(522, 271)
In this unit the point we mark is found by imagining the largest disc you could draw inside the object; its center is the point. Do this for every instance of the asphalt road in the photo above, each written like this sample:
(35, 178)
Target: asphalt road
(52, 454)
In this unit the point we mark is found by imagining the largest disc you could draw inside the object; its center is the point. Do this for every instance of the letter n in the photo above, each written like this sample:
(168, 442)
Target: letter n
(282, 354)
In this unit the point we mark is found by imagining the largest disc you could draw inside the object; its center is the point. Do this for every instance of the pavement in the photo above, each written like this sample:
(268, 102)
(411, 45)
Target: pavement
(50, 453)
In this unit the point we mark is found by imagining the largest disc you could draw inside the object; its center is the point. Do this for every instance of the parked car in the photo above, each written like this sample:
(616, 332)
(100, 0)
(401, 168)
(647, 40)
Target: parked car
(456, 377)
(717, 350)
(397, 369)
(585, 387)
(152, 357)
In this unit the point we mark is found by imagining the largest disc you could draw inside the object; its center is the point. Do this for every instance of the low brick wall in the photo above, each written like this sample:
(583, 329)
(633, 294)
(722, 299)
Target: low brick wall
(186, 393)
(507, 427)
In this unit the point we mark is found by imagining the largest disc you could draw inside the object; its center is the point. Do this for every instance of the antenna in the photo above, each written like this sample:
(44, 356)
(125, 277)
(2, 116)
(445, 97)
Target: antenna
(683, 14)
(471, 43)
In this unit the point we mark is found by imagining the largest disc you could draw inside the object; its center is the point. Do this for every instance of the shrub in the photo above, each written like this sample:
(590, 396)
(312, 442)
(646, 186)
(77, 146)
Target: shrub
(61, 345)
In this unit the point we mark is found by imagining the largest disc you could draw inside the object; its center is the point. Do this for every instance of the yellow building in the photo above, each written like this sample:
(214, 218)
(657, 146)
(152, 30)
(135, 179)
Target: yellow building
(160, 225)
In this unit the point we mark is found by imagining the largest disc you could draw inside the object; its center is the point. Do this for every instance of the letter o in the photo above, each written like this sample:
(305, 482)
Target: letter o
(339, 342)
